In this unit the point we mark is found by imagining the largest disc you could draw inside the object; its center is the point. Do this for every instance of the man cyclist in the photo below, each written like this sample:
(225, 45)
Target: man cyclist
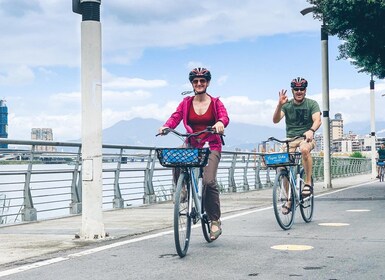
(381, 158)
(303, 118)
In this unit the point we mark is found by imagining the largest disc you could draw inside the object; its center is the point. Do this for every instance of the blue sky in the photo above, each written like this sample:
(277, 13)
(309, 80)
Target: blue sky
(253, 50)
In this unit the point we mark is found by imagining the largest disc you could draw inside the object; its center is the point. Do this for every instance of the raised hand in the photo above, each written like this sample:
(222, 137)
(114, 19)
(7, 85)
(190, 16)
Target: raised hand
(282, 97)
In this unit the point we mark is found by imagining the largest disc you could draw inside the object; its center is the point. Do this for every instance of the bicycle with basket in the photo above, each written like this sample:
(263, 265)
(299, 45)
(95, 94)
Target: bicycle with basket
(188, 198)
(288, 185)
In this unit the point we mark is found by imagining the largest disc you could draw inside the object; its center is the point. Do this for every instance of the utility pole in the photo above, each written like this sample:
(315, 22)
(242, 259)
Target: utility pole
(91, 91)
(373, 128)
(325, 98)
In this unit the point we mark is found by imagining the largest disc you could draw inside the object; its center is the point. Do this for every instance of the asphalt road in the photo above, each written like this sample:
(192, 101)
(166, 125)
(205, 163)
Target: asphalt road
(345, 240)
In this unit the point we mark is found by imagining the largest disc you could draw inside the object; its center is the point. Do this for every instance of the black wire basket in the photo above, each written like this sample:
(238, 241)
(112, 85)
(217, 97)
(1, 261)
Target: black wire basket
(183, 157)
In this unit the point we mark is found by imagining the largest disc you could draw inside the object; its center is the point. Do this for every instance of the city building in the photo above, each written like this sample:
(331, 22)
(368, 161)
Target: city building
(336, 127)
(3, 122)
(43, 134)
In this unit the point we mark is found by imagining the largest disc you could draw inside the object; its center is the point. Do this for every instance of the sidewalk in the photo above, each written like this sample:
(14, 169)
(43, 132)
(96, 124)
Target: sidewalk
(30, 240)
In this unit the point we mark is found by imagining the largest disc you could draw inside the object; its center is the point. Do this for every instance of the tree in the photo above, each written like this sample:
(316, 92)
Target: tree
(361, 26)
(357, 155)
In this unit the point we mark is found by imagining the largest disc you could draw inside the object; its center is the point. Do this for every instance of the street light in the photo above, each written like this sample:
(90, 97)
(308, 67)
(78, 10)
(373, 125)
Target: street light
(373, 127)
(91, 92)
(325, 98)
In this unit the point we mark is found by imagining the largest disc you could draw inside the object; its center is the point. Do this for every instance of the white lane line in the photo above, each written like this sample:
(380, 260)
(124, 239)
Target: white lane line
(117, 244)
(31, 266)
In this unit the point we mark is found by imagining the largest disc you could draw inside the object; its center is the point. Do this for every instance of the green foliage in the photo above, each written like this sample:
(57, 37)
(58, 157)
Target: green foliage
(357, 155)
(361, 25)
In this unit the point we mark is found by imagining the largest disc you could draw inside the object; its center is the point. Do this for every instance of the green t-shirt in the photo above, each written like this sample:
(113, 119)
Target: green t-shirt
(298, 118)
(381, 153)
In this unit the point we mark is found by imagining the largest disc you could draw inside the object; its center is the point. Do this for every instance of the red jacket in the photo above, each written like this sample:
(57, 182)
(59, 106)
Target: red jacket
(181, 112)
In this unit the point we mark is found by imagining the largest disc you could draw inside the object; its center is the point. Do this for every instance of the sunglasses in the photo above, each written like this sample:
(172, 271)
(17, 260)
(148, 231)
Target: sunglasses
(202, 81)
(299, 89)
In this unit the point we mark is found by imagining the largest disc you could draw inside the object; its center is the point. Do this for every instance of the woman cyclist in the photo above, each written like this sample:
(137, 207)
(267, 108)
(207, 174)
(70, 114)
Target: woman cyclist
(197, 112)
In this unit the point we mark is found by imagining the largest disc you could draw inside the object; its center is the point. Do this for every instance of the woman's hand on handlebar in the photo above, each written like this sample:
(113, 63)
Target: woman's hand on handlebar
(218, 127)
(163, 130)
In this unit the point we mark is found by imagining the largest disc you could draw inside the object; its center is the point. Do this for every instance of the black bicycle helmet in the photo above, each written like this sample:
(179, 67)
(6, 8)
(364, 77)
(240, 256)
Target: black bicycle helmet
(199, 73)
(299, 83)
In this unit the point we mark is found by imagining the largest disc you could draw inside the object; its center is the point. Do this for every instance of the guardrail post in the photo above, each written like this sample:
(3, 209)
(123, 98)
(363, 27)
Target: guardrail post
(268, 180)
(149, 194)
(257, 168)
(232, 185)
(76, 203)
(118, 201)
(29, 212)
(245, 181)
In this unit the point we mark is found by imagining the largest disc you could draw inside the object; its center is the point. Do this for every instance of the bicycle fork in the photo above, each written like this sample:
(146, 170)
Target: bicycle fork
(194, 211)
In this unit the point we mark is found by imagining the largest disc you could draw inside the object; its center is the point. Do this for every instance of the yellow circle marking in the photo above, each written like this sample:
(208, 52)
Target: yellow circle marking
(292, 247)
(334, 224)
(358, 210)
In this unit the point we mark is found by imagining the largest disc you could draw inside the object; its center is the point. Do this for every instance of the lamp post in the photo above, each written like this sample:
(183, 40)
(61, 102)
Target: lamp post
(91, 91)
(372, 128)
(325, 99)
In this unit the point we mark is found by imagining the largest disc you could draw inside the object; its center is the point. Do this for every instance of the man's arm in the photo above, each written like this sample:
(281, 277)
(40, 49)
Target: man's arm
(316, 117)
(278, 114)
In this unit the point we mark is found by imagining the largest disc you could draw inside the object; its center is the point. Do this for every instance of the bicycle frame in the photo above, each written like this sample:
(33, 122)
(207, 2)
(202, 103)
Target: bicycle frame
(193, 176)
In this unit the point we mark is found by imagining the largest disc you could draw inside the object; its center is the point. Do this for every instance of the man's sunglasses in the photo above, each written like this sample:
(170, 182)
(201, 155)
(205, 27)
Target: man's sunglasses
(202, 81)
(299, 89)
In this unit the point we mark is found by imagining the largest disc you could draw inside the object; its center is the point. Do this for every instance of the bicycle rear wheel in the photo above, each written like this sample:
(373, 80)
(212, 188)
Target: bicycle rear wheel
(182, 218)
(382, 173)
(283, 200)
(306, 203)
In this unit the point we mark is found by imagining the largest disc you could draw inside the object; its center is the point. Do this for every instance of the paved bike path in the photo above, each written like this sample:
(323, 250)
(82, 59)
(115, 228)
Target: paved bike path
(34, 240)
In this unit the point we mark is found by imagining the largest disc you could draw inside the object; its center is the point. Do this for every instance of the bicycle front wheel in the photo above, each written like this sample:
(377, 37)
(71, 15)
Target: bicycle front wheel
(205, 221)
(283, 200)
(382, 173)
(182, 217)
(306, 203)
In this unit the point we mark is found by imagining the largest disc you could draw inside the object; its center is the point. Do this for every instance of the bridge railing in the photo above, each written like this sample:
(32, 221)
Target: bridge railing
(42, 179)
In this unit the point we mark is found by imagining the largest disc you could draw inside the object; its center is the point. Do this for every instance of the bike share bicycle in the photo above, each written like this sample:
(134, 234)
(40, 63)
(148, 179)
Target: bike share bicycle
(188, 200)
(288, 185)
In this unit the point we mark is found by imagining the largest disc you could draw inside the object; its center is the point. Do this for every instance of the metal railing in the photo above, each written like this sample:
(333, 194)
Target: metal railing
(42, 179)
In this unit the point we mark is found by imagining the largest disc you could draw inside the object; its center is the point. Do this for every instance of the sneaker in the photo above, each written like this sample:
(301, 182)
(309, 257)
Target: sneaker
(378, 177)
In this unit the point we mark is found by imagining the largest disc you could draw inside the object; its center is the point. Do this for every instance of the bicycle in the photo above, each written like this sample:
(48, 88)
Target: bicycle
(288, 185)
(188, 199)
(381, 171)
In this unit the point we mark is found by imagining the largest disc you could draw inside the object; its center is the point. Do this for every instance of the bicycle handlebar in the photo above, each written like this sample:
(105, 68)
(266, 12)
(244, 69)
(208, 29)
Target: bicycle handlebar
(209, 129)
(284, 141)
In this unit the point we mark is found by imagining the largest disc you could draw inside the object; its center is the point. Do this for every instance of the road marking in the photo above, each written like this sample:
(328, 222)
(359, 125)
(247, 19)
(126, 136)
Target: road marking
(291, 247)
(334, 224)
(358, 210)
(31, 266)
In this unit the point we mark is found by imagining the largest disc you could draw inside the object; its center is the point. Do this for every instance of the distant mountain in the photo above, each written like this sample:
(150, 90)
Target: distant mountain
(141, 132)
(363, 128)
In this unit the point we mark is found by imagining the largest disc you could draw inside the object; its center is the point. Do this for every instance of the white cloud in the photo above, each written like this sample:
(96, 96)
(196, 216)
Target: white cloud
(121, 82)
(18, 75)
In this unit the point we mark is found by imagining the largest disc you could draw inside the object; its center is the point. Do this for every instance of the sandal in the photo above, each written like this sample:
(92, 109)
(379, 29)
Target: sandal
(307, 190)
(215, 234)
(286, 209)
